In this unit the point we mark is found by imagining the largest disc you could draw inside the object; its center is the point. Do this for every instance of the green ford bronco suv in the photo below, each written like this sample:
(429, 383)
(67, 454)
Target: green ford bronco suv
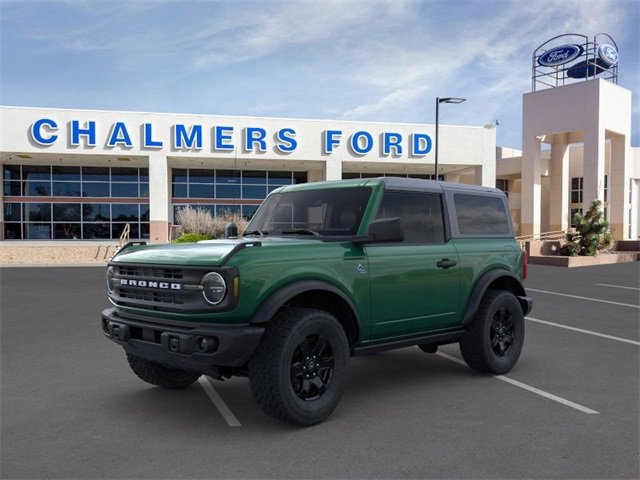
(325, 271)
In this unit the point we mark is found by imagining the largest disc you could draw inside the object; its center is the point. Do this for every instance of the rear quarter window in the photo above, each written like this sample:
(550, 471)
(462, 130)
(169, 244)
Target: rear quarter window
(481, 215)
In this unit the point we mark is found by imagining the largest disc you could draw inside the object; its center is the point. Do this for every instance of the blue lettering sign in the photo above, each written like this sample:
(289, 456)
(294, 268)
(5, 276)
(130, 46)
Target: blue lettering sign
(184, 139)
(361, 142)
(253, 136)
(147, 137)
(389, 141)
(286, 141)
(331, 139)
(223, 136)
(37, 133)
(119, 135)
(89, 131)
(421, 144)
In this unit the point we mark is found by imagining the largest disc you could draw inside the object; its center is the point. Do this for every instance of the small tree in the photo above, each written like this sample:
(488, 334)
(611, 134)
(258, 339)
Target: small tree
(592, 233)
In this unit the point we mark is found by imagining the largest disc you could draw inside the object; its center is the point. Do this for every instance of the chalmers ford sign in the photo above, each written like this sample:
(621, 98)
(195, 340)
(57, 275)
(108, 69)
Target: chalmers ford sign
(46, 132)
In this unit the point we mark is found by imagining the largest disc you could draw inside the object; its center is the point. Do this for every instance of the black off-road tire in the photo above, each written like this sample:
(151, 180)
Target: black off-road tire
(156, 374)
(494, 340)
(298, 372)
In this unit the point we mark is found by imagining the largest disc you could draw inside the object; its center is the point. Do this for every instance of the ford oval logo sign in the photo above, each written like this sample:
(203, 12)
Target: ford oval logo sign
(608, 55)
(560, 55)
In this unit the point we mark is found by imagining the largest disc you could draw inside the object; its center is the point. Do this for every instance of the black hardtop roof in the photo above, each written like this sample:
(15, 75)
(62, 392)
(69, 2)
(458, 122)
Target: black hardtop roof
(395, 183)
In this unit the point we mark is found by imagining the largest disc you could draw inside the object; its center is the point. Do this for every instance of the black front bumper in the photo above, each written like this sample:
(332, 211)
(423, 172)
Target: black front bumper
(200, 347)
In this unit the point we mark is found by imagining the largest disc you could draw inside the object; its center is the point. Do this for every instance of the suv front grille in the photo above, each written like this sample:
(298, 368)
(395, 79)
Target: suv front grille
(157, 288)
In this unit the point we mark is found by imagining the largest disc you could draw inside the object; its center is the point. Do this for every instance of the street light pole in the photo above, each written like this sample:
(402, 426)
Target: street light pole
(438, 102)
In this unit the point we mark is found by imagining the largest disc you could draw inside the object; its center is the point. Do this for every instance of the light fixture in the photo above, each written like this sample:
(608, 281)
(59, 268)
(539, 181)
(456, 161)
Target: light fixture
(440, 100)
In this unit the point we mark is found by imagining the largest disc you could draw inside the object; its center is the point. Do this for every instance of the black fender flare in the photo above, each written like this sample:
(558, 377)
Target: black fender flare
(508, 281)
(280, 297)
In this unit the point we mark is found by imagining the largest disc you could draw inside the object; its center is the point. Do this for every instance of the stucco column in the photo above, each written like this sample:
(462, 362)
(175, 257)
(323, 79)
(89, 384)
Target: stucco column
(559, 195)
(593, 166)
(333, 169)
(531, 186)
(486, 174)
(159, 198)
(621, 166)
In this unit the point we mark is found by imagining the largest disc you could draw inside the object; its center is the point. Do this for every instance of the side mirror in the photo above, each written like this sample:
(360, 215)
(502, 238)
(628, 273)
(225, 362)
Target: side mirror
(385, 230)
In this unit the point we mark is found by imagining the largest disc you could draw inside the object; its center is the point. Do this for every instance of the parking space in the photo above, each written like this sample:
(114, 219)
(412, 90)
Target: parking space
(71, 408)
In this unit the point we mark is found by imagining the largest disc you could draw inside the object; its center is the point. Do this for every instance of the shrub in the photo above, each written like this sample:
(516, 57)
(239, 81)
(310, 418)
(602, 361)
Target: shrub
(191, 238)
(200, 221)
(592, 233)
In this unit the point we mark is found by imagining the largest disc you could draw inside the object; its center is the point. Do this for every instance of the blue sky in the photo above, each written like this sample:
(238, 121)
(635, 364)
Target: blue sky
(371, 60)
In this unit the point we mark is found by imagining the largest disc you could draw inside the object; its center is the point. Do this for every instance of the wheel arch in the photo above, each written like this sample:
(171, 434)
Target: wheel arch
(312, 294)
(496, 279)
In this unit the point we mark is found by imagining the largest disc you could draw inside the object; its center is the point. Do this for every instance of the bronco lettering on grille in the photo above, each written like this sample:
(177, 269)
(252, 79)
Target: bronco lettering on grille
(150, 284)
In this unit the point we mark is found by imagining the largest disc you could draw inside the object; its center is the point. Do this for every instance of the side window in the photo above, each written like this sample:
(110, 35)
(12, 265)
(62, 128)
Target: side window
(421, 215)
(481, 215)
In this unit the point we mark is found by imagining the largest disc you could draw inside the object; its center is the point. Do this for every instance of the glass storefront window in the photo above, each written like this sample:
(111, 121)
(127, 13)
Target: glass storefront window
(66, 174)
(96, 231)
(95, 174)
(33, 172)
(254, 177)
(67, 231)
(124, 175)
(66, 212)
(197, 190)
(66, 189)
(37, 231)
(38, 189)
(90, 189)
(124, 190)
(38, 212)
(12, 212)
(124, 212)
(227, 191)
(99, 212)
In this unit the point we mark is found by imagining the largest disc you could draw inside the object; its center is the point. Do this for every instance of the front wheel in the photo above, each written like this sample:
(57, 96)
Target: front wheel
(494, 340)
(298, 372)
(156, 374)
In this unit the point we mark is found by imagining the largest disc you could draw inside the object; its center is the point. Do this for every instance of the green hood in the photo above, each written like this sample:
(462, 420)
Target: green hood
(205, 253)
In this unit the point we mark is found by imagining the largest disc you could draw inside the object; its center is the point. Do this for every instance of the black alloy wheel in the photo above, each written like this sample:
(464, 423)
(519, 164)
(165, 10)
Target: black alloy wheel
(312, 367)
(501, 334)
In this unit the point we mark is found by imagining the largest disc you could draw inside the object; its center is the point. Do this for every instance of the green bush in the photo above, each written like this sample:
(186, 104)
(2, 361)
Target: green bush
(592, 233)
(192, 238)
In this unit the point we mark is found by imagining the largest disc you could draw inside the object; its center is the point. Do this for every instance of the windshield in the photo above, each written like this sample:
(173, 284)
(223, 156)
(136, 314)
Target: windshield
(326, 212)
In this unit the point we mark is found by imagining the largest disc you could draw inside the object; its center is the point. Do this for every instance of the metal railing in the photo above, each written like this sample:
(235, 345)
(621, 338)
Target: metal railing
(124, 236)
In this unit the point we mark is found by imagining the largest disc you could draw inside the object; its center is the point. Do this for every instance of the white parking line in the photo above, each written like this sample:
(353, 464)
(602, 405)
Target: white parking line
(589, 332)
(222, 407)
(583, 298)
(529, 388)
(616, 286)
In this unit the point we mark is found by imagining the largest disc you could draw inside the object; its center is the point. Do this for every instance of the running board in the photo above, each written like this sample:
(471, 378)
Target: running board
(439, 338)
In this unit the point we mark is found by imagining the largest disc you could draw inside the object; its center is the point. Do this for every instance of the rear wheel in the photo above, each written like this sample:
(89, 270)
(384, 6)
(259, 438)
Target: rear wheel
(494, 340)
(298, 372)
(156, 374)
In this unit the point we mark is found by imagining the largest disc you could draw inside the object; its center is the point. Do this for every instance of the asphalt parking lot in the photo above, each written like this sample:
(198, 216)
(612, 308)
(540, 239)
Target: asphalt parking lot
(71, 408)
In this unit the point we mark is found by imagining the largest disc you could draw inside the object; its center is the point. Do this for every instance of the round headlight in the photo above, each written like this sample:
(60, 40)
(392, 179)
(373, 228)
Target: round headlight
(111, 273)
(214, 288)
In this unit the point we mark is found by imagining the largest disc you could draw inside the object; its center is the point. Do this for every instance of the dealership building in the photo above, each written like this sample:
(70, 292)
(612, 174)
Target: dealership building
(86, 174)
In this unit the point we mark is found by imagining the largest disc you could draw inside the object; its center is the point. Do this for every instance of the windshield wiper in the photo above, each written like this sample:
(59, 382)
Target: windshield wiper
(302, 231)
(255, 232)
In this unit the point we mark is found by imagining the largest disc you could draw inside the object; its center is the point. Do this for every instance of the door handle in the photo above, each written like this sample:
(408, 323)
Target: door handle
(446, 263)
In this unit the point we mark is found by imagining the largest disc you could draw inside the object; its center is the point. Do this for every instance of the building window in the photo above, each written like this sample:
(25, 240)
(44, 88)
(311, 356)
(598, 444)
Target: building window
(576, 189)
(219, 190)
(350, 175)
(76, 202)
(502, 184)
